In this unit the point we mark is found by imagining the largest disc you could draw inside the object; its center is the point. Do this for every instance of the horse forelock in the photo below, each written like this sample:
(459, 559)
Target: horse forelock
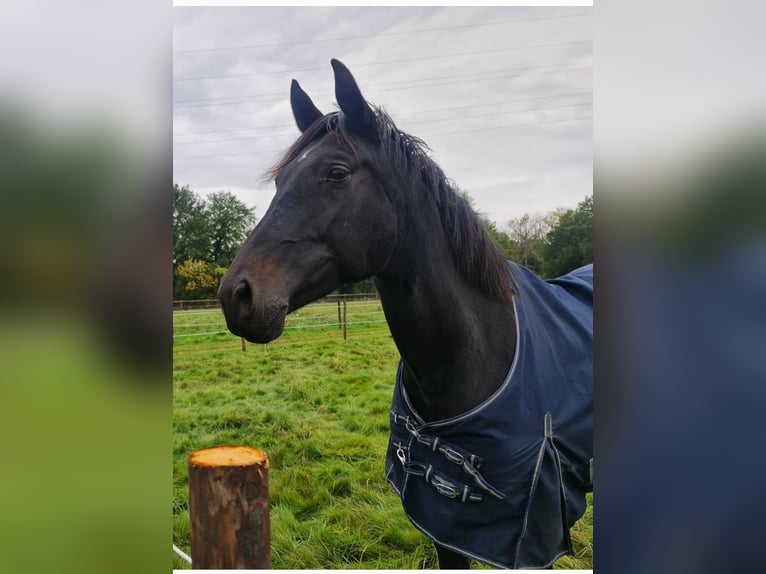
(329, 123)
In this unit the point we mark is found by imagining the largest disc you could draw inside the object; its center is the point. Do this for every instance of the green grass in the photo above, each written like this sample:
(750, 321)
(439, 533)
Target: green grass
(318, 405)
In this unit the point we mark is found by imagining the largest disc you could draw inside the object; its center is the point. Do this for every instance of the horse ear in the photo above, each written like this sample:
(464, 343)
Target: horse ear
(304, 110)
(361, 118)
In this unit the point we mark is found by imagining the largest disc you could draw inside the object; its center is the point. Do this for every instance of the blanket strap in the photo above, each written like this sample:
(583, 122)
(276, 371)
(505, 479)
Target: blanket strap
(468, 461)
(443, 485)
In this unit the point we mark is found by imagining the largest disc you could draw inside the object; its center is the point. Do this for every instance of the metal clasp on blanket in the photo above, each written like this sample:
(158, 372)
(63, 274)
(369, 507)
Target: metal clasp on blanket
(411, 428)
(453, 456)
(401, 456)
(443, 487)
(450, 490)
(470, 468)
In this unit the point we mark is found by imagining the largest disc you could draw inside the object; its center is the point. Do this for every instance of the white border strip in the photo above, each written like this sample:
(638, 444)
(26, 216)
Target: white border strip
(404, 3)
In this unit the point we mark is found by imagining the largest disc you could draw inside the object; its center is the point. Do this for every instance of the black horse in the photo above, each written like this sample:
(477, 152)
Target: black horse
(491, 423)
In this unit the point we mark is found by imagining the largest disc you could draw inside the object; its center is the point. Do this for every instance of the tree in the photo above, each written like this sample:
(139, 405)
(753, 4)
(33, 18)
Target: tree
(207, 232)
(229, 222)
(200, 278)
(570, 243)
(363, 286)
(528, 234)
(501, 238)
(190, 226)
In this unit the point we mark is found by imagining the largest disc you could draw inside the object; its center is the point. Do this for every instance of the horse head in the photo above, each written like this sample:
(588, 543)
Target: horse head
(331, 221)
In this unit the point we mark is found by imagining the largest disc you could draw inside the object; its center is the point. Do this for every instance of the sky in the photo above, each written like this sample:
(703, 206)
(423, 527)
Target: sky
(501, 95)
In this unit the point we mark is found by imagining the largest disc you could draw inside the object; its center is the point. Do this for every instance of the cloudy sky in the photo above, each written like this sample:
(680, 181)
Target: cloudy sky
(502, 95)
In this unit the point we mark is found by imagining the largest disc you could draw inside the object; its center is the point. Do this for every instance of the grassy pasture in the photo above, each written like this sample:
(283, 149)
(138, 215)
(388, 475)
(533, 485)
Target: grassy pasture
(318, 405)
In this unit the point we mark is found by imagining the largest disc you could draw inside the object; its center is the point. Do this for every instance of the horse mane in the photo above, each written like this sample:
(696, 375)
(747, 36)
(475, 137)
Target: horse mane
(477, 257)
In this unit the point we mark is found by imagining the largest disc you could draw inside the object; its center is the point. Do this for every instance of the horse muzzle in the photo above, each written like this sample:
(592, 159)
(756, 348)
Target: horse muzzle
(248, 313)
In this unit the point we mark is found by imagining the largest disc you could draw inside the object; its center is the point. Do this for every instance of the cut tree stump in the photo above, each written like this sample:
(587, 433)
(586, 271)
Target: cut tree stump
(229, 508)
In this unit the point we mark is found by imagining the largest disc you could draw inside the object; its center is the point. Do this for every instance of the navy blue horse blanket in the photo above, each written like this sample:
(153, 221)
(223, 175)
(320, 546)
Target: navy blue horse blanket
(504, 482)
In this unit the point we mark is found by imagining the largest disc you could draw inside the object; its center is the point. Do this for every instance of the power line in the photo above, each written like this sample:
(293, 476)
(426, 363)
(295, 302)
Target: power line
(368, 36)
(417, 114)
(267, 136)
(276, 97)
(507, 126)
(414, 114)
(229, 154)
(437, 78)
(510, 126)
(502, 113)
(292, 134)
(401, 61)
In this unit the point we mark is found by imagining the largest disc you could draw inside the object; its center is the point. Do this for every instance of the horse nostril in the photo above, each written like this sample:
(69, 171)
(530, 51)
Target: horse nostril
(243, 293)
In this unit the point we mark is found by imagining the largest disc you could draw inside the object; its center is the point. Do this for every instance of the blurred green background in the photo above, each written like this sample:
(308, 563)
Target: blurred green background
(85, 313)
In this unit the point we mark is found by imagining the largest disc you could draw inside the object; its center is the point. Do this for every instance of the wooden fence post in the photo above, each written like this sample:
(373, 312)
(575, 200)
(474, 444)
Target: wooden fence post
(344, 319)
(340, 324)
(229, 508)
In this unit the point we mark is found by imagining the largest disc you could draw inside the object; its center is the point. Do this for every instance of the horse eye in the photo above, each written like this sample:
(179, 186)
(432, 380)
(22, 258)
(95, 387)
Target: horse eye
(337, 174)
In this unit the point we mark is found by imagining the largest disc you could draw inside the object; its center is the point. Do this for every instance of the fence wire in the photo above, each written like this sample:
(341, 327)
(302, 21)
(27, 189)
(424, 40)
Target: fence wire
(319, 315)
(182, 554)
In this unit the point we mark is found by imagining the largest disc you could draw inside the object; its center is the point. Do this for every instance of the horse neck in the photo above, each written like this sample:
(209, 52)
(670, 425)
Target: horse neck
(456, 343)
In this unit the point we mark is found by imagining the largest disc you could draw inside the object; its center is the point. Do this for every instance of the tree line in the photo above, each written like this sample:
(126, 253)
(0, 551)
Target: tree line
(549, 244)
(207, 234)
